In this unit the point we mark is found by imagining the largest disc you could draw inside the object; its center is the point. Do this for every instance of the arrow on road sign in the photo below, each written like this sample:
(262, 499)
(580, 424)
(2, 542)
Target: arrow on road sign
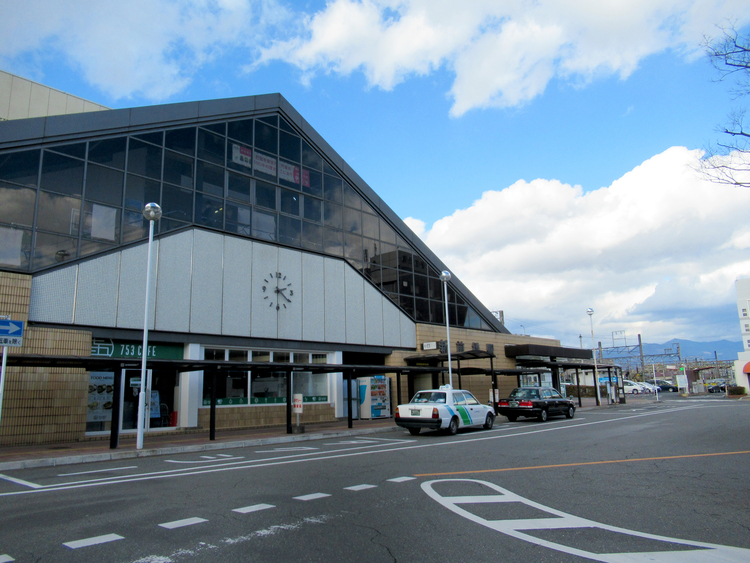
(11, 328)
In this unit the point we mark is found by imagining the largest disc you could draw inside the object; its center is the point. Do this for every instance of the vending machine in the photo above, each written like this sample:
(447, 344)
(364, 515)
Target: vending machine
(374, 397)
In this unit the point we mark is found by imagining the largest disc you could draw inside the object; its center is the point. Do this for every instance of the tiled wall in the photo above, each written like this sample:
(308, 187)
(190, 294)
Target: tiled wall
(41, 405)
(255, 417)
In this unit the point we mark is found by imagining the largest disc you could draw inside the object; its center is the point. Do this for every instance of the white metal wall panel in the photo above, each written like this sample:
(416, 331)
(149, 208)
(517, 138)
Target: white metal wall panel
(408, 332)
(53, 296)
(391, 323)
(173, 283)
(373, 304)
(290, 317)
(335, 311)
(355, 306)
(313, 297)
(265, 265)
(98, 280)
(131, 297)
(238, 275)
(206, 296)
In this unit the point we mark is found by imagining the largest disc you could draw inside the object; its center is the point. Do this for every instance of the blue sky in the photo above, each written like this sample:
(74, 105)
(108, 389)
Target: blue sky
(546, 151)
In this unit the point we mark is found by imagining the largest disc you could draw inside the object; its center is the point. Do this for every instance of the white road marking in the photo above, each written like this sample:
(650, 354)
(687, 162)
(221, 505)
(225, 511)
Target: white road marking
(182, 523)
(224, 455)
(296, 449)
(253, 508)
(557, 520)
(6, 559)
(92, 541)
(313, 496)
(350, 442)
(21, 482)
(97, 471)
(208, 460)
(359, 487)
(401, 479)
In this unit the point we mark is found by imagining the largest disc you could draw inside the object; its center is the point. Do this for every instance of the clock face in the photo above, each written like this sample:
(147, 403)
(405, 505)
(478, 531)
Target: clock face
(277, 290)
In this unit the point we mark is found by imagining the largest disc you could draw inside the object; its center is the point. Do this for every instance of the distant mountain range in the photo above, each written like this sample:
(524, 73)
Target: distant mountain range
(726, 349)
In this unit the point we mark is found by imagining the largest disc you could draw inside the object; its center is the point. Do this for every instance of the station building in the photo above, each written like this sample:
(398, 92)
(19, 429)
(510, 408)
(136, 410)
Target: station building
(270, 249)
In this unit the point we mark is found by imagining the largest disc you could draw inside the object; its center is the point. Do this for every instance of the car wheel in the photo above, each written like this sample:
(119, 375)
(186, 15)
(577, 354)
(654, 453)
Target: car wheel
(414, 431)
(671, 390)
(635, 391)
(511, 417)
(543, 416)
(453, 426)
(489, 422)
(570, 413)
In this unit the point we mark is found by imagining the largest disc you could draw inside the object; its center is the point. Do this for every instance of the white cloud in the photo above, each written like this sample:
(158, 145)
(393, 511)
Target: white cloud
(660, 242)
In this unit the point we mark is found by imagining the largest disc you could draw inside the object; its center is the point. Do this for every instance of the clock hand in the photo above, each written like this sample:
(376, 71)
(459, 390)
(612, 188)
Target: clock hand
(281, 292)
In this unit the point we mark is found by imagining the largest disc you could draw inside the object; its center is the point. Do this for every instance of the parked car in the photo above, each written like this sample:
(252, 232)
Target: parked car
(648, 386)
(632, 387)
(667, 386)
(535, 402)
(716, 386)
(443, 409)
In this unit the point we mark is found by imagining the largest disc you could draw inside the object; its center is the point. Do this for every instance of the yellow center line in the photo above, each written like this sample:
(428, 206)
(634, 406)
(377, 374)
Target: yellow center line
(576, 464)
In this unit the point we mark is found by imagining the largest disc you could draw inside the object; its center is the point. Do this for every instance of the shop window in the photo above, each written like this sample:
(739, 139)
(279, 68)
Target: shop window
(17, 204)
(264, 225)
(101, 222)
(333, 189)
(284, 357)
(104, 184)
(301, 358)
(181, 140)
(178, 169)
(241, 130)
(266, 138)
(58, 213)
(312, 236)
(312, 182)
(62, 174)
(312, 387)
(319, 358)
(209, 211)
(238, 187)
(268, 388)
(110, 152)
(211, 147)
(140, 191)
(144, 159)
(234, 355)
(210, 179)
(231, 386)
(289, 146)
(15, 247)
(310, 158)
(50, 250)
(20, 167)
(261, 356)
(177, 203)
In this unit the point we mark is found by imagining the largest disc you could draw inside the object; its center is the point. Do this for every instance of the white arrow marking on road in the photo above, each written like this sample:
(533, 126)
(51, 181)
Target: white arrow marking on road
(92, 541)
(557, 520)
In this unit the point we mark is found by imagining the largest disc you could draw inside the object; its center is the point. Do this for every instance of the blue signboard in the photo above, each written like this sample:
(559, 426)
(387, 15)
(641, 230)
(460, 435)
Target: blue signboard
(11, 333)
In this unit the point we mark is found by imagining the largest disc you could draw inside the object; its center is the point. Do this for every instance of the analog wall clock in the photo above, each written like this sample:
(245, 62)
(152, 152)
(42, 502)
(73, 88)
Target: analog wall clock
(277, 290)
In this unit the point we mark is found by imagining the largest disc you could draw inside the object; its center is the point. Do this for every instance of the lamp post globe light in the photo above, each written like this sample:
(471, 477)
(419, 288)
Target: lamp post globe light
(590, 313)
(445, 277)
(152, 213)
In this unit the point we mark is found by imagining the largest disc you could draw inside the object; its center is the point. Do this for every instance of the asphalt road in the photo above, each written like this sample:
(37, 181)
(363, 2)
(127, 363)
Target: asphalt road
(667, 481)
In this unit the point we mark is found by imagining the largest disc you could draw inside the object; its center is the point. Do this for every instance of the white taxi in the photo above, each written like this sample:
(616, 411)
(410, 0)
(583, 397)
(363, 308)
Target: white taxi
(443, 409)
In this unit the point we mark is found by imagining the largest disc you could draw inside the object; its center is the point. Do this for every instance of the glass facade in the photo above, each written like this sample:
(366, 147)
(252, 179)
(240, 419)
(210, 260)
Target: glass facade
(250, 177)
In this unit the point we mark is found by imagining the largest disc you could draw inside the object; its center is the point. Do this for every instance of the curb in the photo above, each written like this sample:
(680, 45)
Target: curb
(115, 455)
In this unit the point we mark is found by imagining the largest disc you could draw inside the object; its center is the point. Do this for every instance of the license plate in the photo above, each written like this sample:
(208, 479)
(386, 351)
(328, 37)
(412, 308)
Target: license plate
(513, 403)
(415, 412)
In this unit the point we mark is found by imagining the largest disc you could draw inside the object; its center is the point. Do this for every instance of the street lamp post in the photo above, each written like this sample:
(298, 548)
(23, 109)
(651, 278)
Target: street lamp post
(445, 276)
(590, 313)
(152, 213)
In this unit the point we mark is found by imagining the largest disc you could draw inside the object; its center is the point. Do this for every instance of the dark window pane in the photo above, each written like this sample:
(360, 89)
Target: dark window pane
(264, 166)
(178, 169)
(436, 289)
(77, 150)
(312, 209)
(109, 151)
(238, 228)
(284, 125)
(104, 184)
(310, 158)
(241, 130)
(333, 189)
(333, 242)
(265, 195)
(239, 187)
(420, 266)
(367, 208)
(155, 138)
(421, 286)
(437, 312)
(15, 247)
(134, 226)
(404, 261)
(220, 128)
(238, 219)
(289, 147)
(264, 225)
(328, 169)
(370, 250)
(20, 167)
(353, 247)
(140, 191)
(177, 203)
(58, 213)
(144, 159)
(181, 140)
(332, 215)
(405, 283)
(312, 236)
(352, 221)
(370, 226)
(91, 246)
(351, 197)
(211, 147)
(210, 179)
(386, 279)
(266, 138)
(101, 222)
(472, 319)
(240, 158)
(407, 304)
(166, 225)
(16, 205)
(62, 174)
(388, 256)
(209, 211)
(289, 230)
(289, 174)
(271, 119)
(312, 182)
(387, 234)
(53, 249)
(289, 202)
(422, 310)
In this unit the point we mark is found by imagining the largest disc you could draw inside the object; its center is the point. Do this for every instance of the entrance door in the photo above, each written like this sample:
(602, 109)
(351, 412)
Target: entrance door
(131, 386)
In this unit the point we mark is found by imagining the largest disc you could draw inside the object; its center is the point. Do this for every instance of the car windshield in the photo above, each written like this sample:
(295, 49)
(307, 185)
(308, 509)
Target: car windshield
(429, 397)
(525, 394)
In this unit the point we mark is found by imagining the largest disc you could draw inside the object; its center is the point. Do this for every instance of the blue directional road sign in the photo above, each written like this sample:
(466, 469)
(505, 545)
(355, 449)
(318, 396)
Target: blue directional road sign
(11, 333)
